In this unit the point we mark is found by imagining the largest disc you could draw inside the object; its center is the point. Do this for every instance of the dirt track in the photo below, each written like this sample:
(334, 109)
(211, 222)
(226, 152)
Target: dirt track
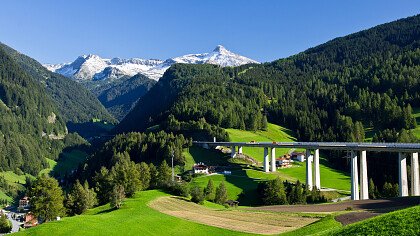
(369, 208)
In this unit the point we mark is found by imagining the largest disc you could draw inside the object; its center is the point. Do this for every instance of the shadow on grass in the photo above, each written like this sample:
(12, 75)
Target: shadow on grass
(105, 211)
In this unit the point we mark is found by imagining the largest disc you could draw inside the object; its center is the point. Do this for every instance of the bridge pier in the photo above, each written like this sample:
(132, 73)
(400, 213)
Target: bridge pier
(402, 167)
(309, 169)
(364, 189)
(317, 176)
(266, 161)
(233, 152)
(273, 160)
(240, 149)
(415, 181)
(354, 177)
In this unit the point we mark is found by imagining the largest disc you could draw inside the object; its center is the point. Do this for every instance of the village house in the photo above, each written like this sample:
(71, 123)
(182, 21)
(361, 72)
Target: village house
(24, 203)
(298, 156)
(30, 220)
(284, 162)
(200, 168)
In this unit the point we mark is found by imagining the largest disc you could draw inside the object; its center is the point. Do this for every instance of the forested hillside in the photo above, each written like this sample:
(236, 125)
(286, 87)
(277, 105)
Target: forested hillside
(74, 102)
(121, 96)
(30, 123)
(330, 92)
(333, 92)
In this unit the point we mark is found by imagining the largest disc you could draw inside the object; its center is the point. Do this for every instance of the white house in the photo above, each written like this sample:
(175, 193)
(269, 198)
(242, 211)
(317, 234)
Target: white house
(283, 162)
(200, 168)
(298, 156)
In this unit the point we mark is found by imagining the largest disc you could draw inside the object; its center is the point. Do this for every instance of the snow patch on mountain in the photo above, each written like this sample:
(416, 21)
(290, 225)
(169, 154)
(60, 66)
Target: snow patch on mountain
(92, 67)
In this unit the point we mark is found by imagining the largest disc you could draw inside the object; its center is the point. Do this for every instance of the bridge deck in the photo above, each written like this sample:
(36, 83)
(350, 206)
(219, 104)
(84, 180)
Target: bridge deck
(379, 147)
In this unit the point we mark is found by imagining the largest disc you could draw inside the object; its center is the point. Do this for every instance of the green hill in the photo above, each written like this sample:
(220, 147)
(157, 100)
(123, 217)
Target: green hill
(402, 222)
(273, 133)
(134, 218)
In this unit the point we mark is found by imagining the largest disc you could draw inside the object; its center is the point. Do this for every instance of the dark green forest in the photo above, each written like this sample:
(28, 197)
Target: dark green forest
(120, 97)
(30, 124)
(74, 102)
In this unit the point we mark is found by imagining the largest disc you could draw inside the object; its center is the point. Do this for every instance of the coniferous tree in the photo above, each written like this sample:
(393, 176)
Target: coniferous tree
(372, 189)
(221, 194)
(103, 185)
(80, 198)
(145, 176)
(165, 175)
(154, 175)
(126, 174)
(117, 196)
(209, 191)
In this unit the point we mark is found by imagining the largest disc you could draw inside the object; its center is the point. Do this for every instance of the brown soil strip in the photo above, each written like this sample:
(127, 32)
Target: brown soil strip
(237, 220)
(375, 206)
(354, 217)
(366, 208)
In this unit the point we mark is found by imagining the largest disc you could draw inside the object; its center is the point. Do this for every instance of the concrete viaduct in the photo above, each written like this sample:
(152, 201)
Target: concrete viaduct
(358, 157)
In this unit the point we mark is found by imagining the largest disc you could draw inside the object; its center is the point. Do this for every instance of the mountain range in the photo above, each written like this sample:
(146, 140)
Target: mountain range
(94, 68)
(119, 83)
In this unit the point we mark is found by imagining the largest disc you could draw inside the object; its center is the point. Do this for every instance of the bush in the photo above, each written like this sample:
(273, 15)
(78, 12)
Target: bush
(5, 225)
(180, 189)
(197, 195)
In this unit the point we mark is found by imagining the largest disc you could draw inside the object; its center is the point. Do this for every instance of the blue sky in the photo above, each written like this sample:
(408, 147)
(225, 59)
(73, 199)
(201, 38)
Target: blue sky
(58, 31)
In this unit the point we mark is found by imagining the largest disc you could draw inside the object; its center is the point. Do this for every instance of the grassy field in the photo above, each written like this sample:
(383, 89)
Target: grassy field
(239, 186)
(273, 133)
(239, 220)
(402, 222)
(416, 114)
(325, 226)
(134, 218)
(69, 161)
(330, 177)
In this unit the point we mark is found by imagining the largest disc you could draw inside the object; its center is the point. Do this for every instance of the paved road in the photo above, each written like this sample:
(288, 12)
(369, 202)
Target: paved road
(15, 224)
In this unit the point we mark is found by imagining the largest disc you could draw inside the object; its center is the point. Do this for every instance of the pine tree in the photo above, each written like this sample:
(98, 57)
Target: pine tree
(154, 175)
(80, 198)
(117, 196)
(209, 191)
(103, 185)
(165, 175)
(274, 193)
(145, 176)
(221, 194)
(126, 174)
(372, 189)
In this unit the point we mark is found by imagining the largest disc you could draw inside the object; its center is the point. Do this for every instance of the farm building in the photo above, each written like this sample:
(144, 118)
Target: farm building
(298, 156)
(200, 168)
(283, 162)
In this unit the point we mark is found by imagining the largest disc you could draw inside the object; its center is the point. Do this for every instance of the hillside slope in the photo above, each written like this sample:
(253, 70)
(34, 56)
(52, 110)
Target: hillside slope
(29, 123)
(121, 96)
(74, 102)
(329, 92)
(134, 218)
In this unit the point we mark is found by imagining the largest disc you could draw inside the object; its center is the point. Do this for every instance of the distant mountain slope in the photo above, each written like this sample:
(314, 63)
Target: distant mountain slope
(75, 103)
(121, 97)
(93, 67)
(30, 124)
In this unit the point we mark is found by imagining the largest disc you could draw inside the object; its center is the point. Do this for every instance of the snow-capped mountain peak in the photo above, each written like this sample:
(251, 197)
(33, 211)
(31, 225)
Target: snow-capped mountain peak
(93, 67)
(220, 49)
